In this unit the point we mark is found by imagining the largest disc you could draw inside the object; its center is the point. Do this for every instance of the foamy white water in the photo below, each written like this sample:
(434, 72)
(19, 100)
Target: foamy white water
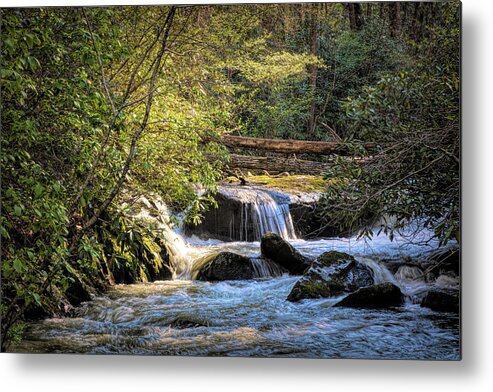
(253, 318)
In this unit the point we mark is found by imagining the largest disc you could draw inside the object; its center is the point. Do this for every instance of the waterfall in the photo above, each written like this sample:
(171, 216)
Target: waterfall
(260, 212)
(154, 212)
(266, 268)
(413, 289)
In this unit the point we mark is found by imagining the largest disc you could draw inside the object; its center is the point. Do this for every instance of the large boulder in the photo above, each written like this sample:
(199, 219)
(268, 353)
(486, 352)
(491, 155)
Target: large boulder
(223, 222)
(331, 274)
(382, 295)
(442, 300)
(273, 247)
(307, 222)
(227, 266)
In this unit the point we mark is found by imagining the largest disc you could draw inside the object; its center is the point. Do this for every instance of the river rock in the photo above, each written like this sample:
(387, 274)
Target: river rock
(442, 300)
(222, 222)
(384, 295)
(307, 222)
(162, 269)
(227, 266)
(273, 247)
(185, 322)
(331, 274)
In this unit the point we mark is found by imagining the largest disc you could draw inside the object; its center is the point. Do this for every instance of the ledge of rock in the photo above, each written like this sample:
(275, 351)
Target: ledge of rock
(384, 295)
(273, 247)
(331, 274)
(227, 266)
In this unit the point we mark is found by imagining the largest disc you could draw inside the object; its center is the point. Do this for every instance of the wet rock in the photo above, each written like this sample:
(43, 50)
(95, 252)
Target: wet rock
(222, 222)
(185, 323)
(442, 300)
(331, 274)
(227, 266)
(283, 253)
(161, 269)
(308, 224)
(384, 295)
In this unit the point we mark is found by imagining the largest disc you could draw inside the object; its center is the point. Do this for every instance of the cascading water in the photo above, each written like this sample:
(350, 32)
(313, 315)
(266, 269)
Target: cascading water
(265, 268)
(252, 317)
(246, 214)
(262, 213)
(182, 255)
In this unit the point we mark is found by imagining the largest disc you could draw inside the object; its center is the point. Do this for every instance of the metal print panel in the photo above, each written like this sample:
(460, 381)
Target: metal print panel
(262, 180)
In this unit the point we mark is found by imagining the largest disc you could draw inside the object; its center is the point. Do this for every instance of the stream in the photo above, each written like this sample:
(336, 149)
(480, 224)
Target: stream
(252, 318)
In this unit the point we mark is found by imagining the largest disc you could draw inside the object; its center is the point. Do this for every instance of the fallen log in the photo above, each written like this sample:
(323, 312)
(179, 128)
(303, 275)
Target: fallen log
(288, 146)
(277, 164)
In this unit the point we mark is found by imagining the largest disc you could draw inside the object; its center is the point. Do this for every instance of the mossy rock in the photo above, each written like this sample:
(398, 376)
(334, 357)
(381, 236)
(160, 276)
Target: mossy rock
(328, 259)
(293, 184)
(331, 274)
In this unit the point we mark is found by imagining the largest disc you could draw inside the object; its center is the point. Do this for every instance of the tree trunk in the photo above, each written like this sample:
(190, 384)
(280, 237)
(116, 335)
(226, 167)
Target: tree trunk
(358, 16)
(418, 21)
(288, 146)
(396, 19)
(351, 16)
(277, 164)
(355, 16)
(284, 164)
(313, 68)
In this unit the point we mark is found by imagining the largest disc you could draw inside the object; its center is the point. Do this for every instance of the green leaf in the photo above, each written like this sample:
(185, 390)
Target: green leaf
(17, 210)
(38, 189)
(18, 265)
(37, 298)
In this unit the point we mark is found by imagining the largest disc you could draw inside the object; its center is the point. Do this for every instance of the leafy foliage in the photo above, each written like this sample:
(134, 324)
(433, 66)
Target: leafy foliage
(97, 101)
(413, 114)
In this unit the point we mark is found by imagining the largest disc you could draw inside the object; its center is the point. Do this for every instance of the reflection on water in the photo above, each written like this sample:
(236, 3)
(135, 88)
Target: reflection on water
(242, 318)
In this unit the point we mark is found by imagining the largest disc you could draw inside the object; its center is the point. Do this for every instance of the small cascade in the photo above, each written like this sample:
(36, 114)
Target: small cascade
(413, 289)
(262, 214)
(246, 214)
(182, 255)
(410, 273)
(266, 268)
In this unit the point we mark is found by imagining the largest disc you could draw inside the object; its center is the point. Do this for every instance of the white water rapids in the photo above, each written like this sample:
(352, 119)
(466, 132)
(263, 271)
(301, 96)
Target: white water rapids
(252, 317)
